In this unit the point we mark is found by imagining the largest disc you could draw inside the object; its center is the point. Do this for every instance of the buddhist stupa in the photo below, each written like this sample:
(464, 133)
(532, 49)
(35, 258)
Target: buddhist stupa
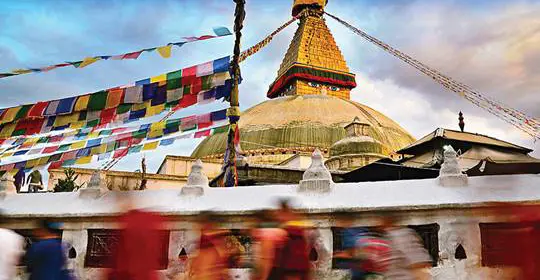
(309, 102)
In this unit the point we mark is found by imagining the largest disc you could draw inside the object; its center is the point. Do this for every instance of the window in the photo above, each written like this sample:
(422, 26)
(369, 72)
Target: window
(103, 242)
(507, 244)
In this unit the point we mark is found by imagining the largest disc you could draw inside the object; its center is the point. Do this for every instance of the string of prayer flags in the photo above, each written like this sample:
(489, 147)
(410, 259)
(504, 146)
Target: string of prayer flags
(164, 51)
(202, 83)
(122, 136)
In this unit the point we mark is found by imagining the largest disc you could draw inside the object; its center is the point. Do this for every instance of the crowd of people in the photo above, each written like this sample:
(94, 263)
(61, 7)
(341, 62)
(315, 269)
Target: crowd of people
(281, 242)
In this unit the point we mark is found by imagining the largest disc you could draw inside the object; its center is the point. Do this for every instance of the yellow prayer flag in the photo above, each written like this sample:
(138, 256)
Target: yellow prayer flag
(155, 133)
(84, 160)
(78, 124)
(13, 171)
(99, 149)
(93, 134)
(160, 78)
(150, 146)
(165, 51)
(43, 160)
(82, 103)
(154, 110)
(7, 130)
(31, 163)
(10, 114)
(21, 71)
(78, 145)
(8, 154)
(87, 61)
(158, 125)
(140, 106)
(66, 119)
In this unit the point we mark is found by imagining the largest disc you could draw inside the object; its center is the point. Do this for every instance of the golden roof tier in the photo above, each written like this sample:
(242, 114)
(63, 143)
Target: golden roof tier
(313, 63)
(275, 129)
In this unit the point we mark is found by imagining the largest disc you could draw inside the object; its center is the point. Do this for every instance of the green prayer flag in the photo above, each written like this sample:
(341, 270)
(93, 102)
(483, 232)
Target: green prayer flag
(64, 147)
(43, 140)
(187, 89)
(110, 147)
(135, 149)
(171, 104)
(139, 133)
(18, 132)
(206, 82)
(221, 129)
(98, 100)
(23, 111)
(123, 108)
(174, 83)
(92, 123)
(105, 132)
(55, 157)
(174, 75)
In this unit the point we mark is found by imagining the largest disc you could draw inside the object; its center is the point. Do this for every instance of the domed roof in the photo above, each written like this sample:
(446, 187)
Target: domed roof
(313, 121)
(356, 145)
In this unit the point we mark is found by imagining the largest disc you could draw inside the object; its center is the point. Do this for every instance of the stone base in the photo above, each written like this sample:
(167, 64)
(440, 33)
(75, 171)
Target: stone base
(91, 193)
(315, 186)
(458, 180)
(192, 191)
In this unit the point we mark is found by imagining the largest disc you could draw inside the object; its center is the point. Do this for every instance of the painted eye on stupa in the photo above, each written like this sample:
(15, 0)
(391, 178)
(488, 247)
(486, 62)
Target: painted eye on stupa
(332, 88)
(312, 84)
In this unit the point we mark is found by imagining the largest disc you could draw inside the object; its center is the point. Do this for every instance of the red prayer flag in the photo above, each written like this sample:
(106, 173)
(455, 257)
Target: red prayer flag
(51, 149)
(188, 75)
(203, 133)
(204, 121)
(205, 37)
(69, 155)
(120, 153)
(37, 110)
(55, 165)
(186, 101)
(107, 116)
(133, 55)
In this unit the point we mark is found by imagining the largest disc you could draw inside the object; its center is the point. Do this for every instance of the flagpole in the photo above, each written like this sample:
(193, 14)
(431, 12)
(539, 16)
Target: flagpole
(230, 176)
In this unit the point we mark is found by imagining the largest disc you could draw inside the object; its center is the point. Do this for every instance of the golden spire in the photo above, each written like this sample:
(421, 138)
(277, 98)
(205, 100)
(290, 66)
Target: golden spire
(313, 63)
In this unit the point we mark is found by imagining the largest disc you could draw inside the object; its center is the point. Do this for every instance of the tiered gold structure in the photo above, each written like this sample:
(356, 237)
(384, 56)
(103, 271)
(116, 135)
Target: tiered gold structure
(309, 102)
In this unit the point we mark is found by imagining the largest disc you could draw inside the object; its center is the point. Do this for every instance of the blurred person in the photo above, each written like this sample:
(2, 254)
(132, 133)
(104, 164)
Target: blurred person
(408, 259)
(212, 260)
(267, 237)
(19, 180)
(36, 182)
(46, 257)
(291, 259)
(11, 251)
(364, 250)
(137, 255)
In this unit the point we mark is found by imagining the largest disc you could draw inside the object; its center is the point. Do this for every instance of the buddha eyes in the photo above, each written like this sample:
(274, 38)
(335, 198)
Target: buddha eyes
(333, 88)
(317, 85)
(312, 84)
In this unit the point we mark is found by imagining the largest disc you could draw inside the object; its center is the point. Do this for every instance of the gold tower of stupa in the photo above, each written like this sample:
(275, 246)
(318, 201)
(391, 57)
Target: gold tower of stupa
(309, 102)
(313, 63)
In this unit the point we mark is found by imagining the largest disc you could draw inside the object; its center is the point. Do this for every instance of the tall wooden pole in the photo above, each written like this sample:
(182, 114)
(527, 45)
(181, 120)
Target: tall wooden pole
(230, 176)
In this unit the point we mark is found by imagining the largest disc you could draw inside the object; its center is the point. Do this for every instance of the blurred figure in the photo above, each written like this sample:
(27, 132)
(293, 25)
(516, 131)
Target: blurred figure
(291, 260)
(19, 179)
(11, 251)
(408, 259)
(212, 261)
(36, 183)
(137, 254)
(46, 257)
(267, 237)
(364, 251)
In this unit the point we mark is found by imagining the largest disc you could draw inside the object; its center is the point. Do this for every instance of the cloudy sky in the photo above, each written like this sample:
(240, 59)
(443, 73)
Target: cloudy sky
(493, 46)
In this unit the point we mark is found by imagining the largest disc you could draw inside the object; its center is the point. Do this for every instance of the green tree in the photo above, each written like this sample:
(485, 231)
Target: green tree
(68, 183)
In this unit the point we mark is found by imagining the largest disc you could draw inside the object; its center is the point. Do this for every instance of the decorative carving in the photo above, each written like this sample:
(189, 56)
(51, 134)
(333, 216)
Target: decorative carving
(450, 173)
(196, 181)
(316, 178)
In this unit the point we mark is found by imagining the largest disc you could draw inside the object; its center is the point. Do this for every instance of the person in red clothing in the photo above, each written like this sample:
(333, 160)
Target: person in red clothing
(137, 254)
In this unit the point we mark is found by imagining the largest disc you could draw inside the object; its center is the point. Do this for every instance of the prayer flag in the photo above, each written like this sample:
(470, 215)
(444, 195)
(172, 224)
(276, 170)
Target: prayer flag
(82, 103)
(10, 113)
(203, 133)
(120, 153)
(174, 75)
(154, 110)
(87, 61)
(166, 142)
(222, 31)
(188, 123)
(107, 116)
(218, 115)
(84, 160)
(55, 165)
(186, 101)
(68, 162)
(133, 94)
(150, 146)
(149, 90)
(142, 82)
(93, 142)
(165, 51)
(65, 106)
(221, 65)
(97, 100)
(104, 156)
(38, 109)
(159, 78)
(48, 150)
(133, 55)
(66, 119)
(204, 120)
(135, 149)
(175, 94)
(18, 153)
(204, 69)
(160, 96)
(115, 97)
